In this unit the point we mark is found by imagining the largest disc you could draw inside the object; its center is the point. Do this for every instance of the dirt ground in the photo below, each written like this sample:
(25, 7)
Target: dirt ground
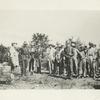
(44, 81)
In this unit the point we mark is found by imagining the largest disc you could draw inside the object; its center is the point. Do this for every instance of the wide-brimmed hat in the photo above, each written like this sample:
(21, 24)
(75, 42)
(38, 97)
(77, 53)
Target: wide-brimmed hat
(25, 43)
(90, 44)
(13, 43)
(73, 44)
(52, 45)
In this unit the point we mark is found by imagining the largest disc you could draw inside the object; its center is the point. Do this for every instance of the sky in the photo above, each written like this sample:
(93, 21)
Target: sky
(59, 25)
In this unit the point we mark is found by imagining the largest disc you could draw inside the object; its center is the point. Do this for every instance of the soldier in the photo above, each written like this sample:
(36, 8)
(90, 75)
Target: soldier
(68, 53)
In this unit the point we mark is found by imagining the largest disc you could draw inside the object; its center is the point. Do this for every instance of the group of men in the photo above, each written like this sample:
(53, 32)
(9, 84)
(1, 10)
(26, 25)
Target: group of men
(25, 58)
(72, 61)
(64, 60)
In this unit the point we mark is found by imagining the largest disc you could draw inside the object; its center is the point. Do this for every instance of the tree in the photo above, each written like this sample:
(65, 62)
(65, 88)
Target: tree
(3, 53)
(40, 40)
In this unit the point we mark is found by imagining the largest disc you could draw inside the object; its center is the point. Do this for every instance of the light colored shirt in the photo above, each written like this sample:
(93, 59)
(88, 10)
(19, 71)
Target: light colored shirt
(14, 56)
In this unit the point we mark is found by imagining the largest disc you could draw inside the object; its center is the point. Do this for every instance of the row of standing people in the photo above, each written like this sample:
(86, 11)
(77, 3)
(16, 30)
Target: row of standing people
(66, 60)
(73, 62)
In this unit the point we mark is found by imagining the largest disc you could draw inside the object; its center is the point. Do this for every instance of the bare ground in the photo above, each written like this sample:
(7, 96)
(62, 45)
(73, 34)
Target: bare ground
(44, 81)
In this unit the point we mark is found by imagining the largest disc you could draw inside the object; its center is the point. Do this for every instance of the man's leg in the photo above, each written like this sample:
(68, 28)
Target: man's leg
(25, 63)
(30, 65)
(55, 67)
(39, 65)
(91, 66)
(61, 67)
(76, 66)
(50, 70)
(84, 67)
(71, 66)
(81, 68)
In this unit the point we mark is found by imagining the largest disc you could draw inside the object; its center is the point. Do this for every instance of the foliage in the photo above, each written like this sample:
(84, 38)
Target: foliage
(3, 53)
(40, 40)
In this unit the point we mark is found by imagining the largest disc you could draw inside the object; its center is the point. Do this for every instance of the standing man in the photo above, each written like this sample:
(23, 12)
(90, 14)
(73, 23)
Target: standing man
(75, 59)
(14, 56)
(91, 55)
(21, 61)
(37, 58)
(98, 61)
(51, 57)
(68, 53)
(62, 61)
(83, 70)
(25, 57)
(31, 62)
(57, 60)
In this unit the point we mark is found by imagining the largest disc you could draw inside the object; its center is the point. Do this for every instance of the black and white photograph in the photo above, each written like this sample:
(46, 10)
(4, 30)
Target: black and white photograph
(49, 49)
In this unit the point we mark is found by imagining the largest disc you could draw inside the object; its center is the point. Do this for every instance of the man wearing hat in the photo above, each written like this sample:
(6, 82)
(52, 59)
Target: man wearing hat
(32, 60)
(51, 57)
(25, 57)
(75, 59)
(98, 61)
(68, 53)
(37, 58)
(82, 69)
(14, 56)
(57, 60)
(91, 55)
